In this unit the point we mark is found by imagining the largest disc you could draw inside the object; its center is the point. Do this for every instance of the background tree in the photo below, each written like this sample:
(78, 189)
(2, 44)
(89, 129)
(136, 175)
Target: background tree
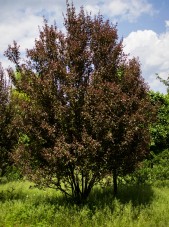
(164, 81)
(85, 112)
(160, 129)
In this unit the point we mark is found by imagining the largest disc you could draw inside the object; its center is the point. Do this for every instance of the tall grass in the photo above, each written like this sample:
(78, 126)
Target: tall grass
(144, 206)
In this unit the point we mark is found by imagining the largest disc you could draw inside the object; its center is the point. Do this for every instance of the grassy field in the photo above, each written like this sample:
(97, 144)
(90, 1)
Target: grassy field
(23, 205)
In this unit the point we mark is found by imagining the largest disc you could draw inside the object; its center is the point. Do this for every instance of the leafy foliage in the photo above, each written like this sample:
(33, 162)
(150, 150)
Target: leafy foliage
(86, 109)
(152, 172)
(7, 134)
(160, 129)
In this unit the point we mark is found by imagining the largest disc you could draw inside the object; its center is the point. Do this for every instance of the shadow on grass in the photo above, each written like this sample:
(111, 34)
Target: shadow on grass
(135, 194)
(98, 199)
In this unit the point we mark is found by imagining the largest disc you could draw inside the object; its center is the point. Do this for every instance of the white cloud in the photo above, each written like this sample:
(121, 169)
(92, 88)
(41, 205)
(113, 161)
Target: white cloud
(153, 53)
(27, 28)
(129, 10)
(125, 9)
(94, 9)
(167, 23)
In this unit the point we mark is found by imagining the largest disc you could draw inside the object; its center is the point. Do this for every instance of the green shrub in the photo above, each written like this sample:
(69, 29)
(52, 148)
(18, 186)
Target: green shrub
(154, 171)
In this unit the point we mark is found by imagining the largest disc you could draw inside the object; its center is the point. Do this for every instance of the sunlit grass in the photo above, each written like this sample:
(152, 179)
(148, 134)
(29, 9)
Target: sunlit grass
(135, 206)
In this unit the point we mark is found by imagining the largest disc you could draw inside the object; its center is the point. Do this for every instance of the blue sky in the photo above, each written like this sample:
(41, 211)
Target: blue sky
(155, 20)
(143, 24)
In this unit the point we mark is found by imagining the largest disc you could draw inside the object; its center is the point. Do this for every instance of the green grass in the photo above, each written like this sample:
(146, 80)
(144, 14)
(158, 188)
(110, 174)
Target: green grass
(144, 206)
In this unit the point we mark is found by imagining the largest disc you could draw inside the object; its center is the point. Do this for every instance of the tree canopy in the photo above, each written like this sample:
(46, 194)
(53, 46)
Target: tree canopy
(160, 128)
(7, 134)
(85, 110)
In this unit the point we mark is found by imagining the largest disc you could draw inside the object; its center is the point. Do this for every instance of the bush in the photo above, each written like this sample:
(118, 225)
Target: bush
(153, 171)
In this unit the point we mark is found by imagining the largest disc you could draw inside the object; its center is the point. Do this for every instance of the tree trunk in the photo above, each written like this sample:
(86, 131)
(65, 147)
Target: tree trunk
(115, 182)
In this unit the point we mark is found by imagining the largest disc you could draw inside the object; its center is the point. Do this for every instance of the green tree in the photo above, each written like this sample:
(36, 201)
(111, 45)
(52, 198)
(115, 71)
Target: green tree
(164, 81)
(86, 111)
(160, 129)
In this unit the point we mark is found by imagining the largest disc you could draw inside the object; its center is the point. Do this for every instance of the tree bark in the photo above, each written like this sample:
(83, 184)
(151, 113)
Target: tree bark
(115, 182)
